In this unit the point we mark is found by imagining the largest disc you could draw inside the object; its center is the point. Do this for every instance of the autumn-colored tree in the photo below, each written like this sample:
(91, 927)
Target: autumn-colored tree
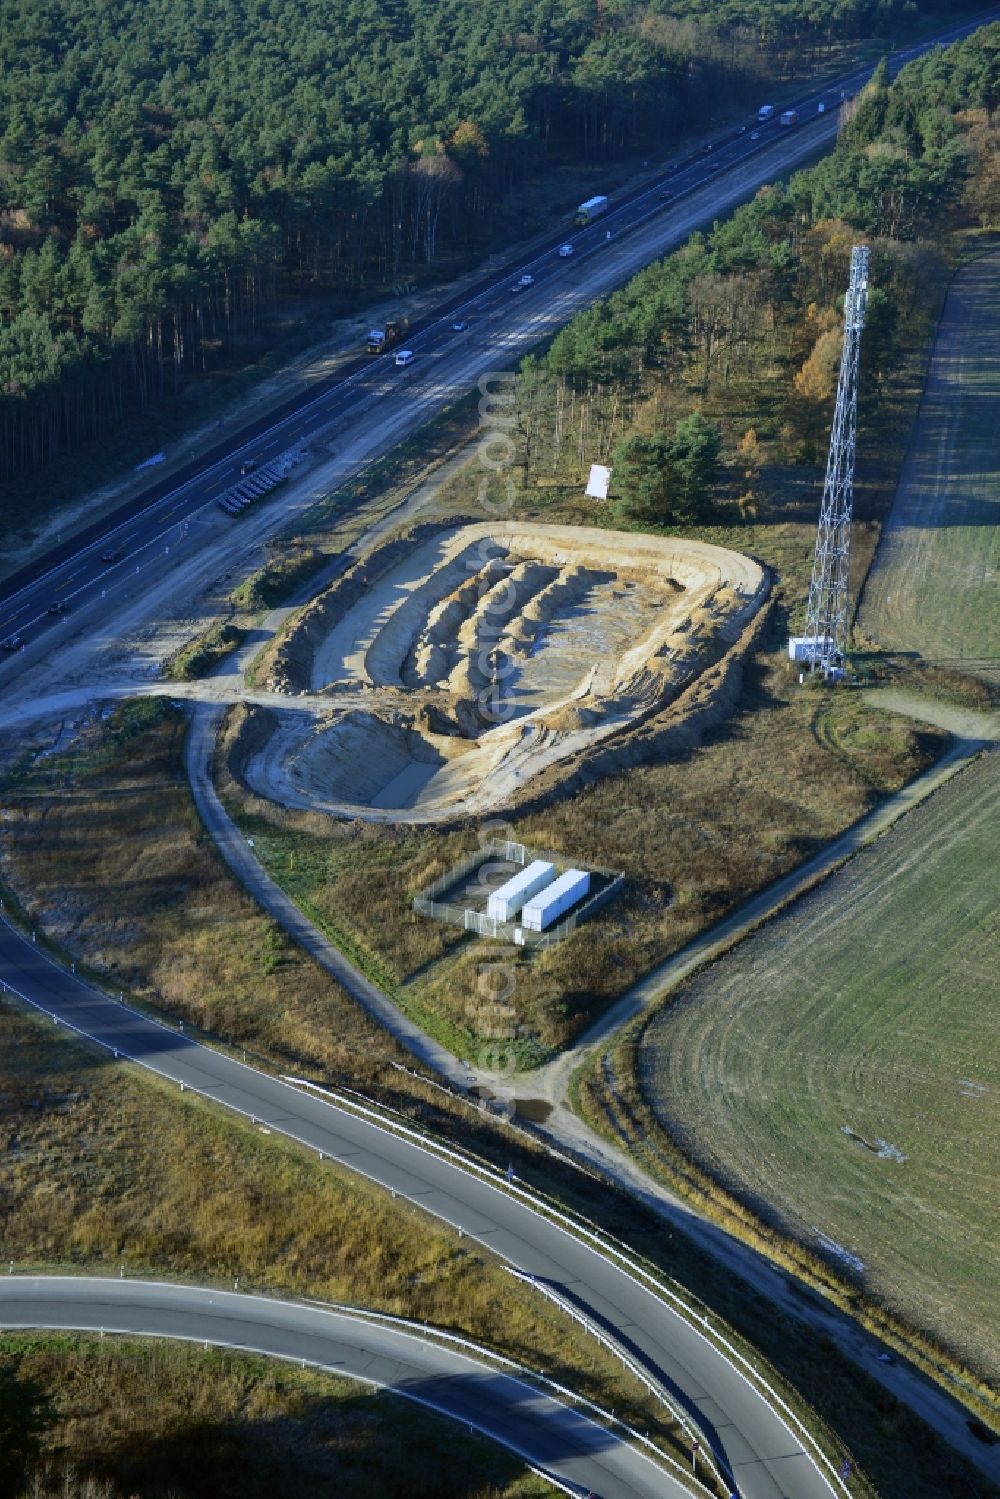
(749, 457)
(817, 378)
(467, 144)
(982, 192)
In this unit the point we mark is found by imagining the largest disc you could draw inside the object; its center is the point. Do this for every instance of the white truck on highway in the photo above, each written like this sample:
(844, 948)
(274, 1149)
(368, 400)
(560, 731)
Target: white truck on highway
(789, 117)
(591, 210)
(765, 112)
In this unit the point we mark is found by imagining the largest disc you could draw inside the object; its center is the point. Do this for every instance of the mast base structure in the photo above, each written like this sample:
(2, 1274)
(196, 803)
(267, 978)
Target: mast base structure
(822, 648)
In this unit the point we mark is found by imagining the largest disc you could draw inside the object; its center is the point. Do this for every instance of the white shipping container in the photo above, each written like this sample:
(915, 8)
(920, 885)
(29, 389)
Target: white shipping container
(801, 647)
(549, 904)
(504, 904)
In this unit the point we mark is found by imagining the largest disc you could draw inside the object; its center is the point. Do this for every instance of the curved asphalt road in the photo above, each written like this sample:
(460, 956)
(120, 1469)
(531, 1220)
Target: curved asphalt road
(198, 752)
(746, 1430)
(563, 1443)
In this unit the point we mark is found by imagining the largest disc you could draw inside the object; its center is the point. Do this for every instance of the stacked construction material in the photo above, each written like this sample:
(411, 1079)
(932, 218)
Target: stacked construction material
(504, 904)
(555, 899)
(254, 486)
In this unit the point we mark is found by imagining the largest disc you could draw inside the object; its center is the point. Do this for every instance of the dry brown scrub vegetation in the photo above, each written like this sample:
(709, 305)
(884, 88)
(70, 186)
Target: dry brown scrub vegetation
(108, 1169)
(695, 835)
(351, 878)
(716, 823)
(109, 852)
(125, 1202)
(169, 1421)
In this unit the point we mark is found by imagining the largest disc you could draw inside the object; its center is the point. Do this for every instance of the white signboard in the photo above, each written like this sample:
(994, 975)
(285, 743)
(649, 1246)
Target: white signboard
(597, 484)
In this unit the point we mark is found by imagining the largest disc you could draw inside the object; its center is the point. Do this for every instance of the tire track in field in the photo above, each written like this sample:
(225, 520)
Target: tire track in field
(830, 1020)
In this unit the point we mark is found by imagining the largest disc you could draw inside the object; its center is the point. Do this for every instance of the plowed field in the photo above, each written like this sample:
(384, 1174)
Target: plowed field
(935, 583)
(840, 1068)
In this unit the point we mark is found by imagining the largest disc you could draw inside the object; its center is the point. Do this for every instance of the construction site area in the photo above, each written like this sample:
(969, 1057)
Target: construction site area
(506, 891)
(459, 661)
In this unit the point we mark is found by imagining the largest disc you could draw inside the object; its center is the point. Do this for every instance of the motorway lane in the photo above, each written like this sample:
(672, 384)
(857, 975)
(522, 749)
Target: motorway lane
(745, 1430)
(765, 1456)
(490, 310)
(552, 1437)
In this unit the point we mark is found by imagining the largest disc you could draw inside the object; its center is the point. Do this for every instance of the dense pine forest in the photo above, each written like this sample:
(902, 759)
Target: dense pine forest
(738, 334)
(170, 169)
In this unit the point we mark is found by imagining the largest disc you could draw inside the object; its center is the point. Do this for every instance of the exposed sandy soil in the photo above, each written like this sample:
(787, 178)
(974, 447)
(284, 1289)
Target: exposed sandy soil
(461, 663)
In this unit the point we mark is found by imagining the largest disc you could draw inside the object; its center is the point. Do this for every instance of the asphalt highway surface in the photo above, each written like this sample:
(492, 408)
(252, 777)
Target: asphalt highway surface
(751, 1439)
(564, 1444)
(378, 404)
(500, 322)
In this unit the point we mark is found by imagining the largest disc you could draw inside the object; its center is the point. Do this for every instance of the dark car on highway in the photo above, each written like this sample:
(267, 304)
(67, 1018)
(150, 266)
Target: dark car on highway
(114, 554)
(58, 606)
(248, 466)
(14, 643)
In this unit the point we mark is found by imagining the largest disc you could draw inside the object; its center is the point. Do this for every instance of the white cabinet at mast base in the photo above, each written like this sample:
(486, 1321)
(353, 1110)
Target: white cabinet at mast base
(805, 647)
(504, 904)
(549, 904)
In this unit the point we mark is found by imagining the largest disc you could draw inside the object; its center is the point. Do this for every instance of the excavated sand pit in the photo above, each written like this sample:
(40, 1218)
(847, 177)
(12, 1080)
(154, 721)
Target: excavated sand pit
(474, 658)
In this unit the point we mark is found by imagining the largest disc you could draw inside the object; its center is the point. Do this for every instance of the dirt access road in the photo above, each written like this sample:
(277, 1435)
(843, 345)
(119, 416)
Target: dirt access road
(935, 584)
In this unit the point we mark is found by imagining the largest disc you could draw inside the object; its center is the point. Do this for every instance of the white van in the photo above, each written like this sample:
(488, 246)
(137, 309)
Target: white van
(403, 358)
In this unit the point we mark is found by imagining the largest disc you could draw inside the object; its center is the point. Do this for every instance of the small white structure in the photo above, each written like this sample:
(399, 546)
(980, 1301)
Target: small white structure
(597, 484)
(803, 647)
(546, 907)
(504, 904)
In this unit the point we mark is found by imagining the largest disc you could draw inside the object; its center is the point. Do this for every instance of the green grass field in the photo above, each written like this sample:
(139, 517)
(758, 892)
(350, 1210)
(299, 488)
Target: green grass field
(934, 585)
(839, 1070)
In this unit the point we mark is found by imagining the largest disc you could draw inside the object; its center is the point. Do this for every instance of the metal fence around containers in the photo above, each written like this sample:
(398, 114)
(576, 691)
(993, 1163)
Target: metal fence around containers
(511, 853)
(469, 920)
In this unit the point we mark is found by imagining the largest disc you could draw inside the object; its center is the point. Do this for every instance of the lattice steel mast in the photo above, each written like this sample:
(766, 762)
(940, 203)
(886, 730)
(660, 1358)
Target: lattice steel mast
(824, 644)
